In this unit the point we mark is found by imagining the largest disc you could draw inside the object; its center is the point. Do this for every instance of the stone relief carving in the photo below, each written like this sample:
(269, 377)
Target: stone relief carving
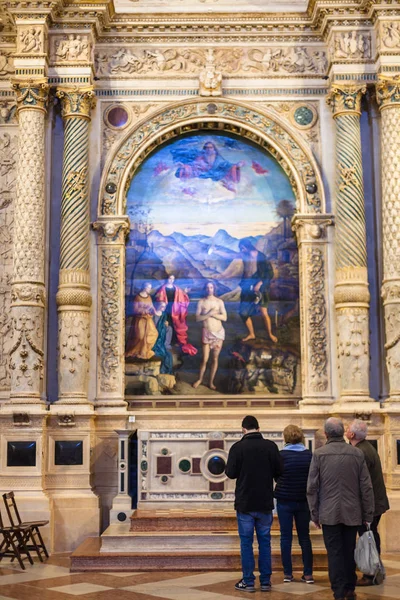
(26, 353)
(8, 109)
(70, 48)
(390, 34)
(317, 319)
(8, 154)
(351, 45)
(230, 61)
(30, 40)
(353, 348)
(110, 316)
(210, 80)
(6, 64)
(73, 342)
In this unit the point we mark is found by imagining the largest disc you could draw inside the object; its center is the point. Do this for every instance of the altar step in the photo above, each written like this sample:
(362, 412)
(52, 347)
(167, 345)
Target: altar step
(181, 541)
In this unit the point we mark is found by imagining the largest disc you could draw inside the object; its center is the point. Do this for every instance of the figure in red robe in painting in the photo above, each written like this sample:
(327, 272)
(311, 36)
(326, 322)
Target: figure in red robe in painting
(177, 302)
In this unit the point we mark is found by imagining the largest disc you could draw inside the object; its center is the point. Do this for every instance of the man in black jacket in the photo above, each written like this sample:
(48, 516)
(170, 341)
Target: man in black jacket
(254, 462)
(356, 433)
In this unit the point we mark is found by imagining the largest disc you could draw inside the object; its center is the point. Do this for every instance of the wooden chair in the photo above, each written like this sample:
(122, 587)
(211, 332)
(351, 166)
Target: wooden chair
(32, 537)
(13, 544)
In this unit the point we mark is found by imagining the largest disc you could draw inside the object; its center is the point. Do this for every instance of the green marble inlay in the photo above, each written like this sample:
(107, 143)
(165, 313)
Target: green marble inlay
(303, 115)
(164, 479)
(164, 451)
(184, 465)
(216, 496)
(144, 465)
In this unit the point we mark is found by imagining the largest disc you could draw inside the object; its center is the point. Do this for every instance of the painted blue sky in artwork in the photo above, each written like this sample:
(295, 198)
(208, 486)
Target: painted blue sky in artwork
(204, 182)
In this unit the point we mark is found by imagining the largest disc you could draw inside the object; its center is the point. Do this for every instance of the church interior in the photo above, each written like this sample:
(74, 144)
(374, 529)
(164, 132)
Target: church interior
(199, 220)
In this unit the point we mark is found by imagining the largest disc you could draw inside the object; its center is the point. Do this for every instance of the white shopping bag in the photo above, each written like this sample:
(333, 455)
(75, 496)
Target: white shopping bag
(367, 557)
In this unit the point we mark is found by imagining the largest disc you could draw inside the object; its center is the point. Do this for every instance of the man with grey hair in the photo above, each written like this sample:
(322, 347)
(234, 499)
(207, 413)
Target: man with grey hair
(341, 499)
(356, 433)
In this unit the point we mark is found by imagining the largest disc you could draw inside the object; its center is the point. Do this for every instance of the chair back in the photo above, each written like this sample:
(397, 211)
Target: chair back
(11, 508)
(1, 521)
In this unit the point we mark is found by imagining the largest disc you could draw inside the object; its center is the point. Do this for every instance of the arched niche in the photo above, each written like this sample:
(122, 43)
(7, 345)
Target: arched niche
(310, 221)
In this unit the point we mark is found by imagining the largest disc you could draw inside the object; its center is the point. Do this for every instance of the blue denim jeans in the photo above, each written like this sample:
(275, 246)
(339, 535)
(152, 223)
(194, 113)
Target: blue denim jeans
(261, 522)
(299, 511)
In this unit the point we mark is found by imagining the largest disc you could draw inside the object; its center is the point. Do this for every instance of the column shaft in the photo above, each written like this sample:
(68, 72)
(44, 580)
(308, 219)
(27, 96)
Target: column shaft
(73, 297)
(28, 291)
(388, 96)
(351, 289)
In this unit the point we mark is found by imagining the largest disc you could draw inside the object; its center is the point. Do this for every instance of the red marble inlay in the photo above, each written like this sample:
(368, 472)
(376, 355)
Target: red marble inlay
(217, 486)
(196, 466)
(164, 464)
(216, 444)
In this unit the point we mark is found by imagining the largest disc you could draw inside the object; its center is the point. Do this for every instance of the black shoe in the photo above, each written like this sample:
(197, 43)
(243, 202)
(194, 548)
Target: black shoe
(365, 581)
(308, 579)
(265, 587)
(241, 586)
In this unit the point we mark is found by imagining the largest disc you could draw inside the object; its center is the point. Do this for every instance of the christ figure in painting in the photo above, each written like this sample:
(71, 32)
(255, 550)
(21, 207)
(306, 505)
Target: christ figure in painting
(211, 312)
(206, 164)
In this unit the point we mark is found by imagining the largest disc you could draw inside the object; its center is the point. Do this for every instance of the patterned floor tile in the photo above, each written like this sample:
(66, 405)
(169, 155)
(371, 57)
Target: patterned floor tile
(79, 589)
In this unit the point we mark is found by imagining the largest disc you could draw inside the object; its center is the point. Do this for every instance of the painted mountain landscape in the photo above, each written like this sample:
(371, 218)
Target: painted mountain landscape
(212, 291)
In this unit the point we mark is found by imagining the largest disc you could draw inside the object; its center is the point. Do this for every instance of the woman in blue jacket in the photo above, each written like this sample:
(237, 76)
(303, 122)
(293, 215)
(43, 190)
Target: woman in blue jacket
(290, 493)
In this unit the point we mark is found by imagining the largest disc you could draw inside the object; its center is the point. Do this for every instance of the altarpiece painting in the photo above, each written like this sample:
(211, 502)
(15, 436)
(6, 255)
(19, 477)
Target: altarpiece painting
(212, 278)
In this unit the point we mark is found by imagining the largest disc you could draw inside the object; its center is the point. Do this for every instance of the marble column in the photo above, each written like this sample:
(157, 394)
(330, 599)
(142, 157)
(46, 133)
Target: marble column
(351, 287)
(73, 297)
(28, 296)
(388, 97)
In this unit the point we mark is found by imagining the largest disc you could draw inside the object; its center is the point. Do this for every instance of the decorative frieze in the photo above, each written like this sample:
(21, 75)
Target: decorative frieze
(70, 49)
(352, 45)
(177, 62)
(6, 64)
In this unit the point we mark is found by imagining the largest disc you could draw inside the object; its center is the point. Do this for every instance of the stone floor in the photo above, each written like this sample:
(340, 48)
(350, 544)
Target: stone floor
(53, 581)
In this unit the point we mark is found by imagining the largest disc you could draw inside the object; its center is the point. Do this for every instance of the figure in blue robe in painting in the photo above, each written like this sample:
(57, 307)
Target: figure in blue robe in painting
(160, 348)
(206, 164)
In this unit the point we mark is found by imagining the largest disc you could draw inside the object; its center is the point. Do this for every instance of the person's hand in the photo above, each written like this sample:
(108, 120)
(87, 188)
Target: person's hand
(317, 524)
(367, 524)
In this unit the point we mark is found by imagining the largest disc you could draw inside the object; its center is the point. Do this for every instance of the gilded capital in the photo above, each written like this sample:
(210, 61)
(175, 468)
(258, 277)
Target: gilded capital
(345, 98)
(76, 101)
(31, 93)
(388, 90)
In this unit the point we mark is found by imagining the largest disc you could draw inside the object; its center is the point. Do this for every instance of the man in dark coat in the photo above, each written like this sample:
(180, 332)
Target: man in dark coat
(254, 462)
(356, 433)
(340, 497)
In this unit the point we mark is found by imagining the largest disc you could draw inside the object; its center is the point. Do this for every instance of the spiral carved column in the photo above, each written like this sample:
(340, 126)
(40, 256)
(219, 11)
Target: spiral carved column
(388, 96)
(73, 297)
(28, 291)
(351, 289)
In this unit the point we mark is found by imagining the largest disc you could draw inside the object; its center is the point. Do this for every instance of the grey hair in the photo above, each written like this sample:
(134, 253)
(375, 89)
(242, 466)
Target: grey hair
(334, 428)
(359, 428)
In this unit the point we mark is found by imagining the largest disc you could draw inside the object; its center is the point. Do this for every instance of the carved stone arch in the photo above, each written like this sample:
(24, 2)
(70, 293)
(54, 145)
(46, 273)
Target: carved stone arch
(310, 221)
(261, 127)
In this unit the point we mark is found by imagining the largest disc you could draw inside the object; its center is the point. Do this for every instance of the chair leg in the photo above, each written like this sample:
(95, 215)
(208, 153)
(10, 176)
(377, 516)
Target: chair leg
(22, 544)
(30, 535)
(42, 544)
(17, 554)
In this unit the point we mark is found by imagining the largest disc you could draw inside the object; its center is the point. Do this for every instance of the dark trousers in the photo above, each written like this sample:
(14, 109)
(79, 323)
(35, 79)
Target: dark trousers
(374, 529)
(299, 511)
(340, 543)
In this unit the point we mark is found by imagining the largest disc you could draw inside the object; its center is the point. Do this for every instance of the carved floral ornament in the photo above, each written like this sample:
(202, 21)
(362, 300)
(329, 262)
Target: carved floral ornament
(345, 98)
(266, 130)
(76, 101)
(388, 90)
(31, 93)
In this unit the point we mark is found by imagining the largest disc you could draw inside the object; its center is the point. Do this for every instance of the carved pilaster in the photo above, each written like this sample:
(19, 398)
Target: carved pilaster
(111, 311)
(73, 297)
(311, 232)
(388, 96)
(351, 289)
(28, 291)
